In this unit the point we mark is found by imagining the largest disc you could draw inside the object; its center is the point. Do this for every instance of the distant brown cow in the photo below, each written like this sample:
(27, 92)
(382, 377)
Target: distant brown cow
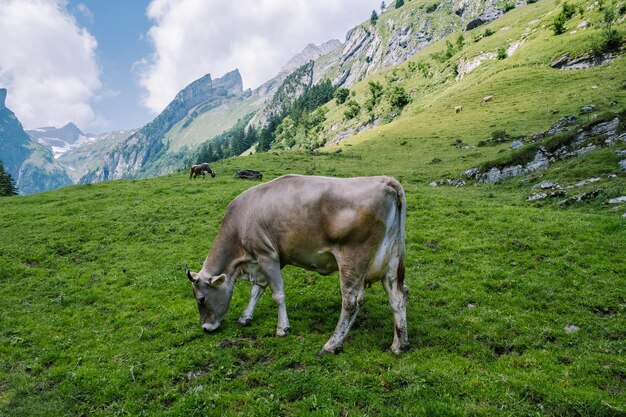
(458, 109)
(486, 99)
(201, 169)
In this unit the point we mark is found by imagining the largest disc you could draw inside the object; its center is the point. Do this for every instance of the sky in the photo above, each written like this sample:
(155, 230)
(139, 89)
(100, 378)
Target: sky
(115, 64)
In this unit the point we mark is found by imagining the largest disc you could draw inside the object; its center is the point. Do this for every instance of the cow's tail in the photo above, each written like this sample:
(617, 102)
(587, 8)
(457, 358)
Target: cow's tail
(401, 220)
(190, 172)
(401, 245)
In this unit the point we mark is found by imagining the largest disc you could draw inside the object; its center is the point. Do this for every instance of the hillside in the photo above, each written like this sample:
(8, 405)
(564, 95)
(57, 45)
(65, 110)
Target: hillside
(445, 75)
(514, 309)
(165, 144)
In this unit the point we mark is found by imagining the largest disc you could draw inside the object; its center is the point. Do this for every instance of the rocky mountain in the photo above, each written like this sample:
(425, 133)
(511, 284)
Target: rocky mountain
(31, 164)
(207, 107)
(88, 156)
(145, 147)
(310, 53)
(60, 140)
(400, 33)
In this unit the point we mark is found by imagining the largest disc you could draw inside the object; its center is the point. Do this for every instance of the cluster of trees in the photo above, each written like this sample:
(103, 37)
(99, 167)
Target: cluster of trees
(395, 95)
(7, 183)
(300, 123)
(233, 142)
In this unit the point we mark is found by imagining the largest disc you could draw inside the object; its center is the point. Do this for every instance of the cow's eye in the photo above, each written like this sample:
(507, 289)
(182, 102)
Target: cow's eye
(201, 300)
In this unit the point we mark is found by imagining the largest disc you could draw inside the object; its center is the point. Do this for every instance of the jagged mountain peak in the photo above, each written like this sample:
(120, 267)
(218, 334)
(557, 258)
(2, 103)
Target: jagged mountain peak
(310, 53)
(69, 133)
(231, 82)
(205, 87)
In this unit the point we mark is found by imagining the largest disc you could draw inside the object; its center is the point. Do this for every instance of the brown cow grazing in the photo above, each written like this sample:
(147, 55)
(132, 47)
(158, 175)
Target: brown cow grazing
(201, 169)
(458, 109)
(486, 99)
(353, 225)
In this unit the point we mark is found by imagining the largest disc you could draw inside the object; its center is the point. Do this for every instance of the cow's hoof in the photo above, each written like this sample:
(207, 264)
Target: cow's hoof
(397, 349)
(333, 350)
(282, 332)
(244, 321)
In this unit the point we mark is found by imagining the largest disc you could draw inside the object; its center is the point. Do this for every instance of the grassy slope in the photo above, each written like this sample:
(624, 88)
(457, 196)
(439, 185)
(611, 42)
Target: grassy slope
(210, 124)
(528, 95)
(97, 318)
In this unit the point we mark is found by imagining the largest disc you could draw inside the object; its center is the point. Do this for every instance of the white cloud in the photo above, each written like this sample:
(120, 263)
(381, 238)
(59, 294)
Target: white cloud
(193, 37)
(47, 63)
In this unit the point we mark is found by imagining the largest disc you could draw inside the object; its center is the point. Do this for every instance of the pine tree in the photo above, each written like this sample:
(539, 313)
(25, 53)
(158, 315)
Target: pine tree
(383, 6)
(7, 183)
(399, 3)
(374, 17)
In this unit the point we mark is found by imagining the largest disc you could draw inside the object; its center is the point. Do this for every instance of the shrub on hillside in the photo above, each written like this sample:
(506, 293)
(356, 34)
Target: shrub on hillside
(501, 53)
(424, 68)
(341, 95)
(558, 26)
(567, 11)
(352, 111)
(397, 96)
(376, 93)
(610, 39)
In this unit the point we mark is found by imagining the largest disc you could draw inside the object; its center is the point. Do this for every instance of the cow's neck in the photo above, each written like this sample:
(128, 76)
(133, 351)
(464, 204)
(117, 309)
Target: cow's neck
(225, 253)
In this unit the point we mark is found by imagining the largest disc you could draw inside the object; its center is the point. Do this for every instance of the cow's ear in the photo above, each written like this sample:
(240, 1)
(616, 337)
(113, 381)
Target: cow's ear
(217, 280)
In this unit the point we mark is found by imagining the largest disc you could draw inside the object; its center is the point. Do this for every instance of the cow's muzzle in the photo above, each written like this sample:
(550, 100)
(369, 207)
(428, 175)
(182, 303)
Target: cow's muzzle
(210, 327)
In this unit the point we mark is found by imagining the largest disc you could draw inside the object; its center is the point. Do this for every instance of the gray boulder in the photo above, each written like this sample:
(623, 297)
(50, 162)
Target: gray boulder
(587, 109)
(248, 174)
(589, 195)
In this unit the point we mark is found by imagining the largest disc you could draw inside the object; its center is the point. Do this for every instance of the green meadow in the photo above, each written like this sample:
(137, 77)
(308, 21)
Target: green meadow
(98, 318)
(515, 307)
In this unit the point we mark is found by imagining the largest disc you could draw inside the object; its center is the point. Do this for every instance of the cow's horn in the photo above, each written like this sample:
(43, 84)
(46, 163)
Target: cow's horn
(188, 272)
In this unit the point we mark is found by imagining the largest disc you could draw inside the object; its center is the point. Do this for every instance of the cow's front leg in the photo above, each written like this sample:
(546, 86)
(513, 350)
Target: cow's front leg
(271, 270)
(255, 293)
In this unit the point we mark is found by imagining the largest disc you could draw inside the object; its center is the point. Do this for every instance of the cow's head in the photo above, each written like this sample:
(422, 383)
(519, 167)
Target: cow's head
(213, 174)
(212, 294)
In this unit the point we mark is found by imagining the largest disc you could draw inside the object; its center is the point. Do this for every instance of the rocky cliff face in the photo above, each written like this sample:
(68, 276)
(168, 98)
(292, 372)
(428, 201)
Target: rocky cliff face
(399, 34)
(293, 86)
(147, 145)
(310, 53)
(31, 165)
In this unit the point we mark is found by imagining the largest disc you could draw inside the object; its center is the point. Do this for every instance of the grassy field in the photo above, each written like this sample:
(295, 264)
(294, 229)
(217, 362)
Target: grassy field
(98, 318)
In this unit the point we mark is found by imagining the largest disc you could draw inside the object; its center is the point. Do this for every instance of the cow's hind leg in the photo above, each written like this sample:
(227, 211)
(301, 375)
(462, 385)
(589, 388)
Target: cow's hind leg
(352, 297)
(255, 293)
(397, 294)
